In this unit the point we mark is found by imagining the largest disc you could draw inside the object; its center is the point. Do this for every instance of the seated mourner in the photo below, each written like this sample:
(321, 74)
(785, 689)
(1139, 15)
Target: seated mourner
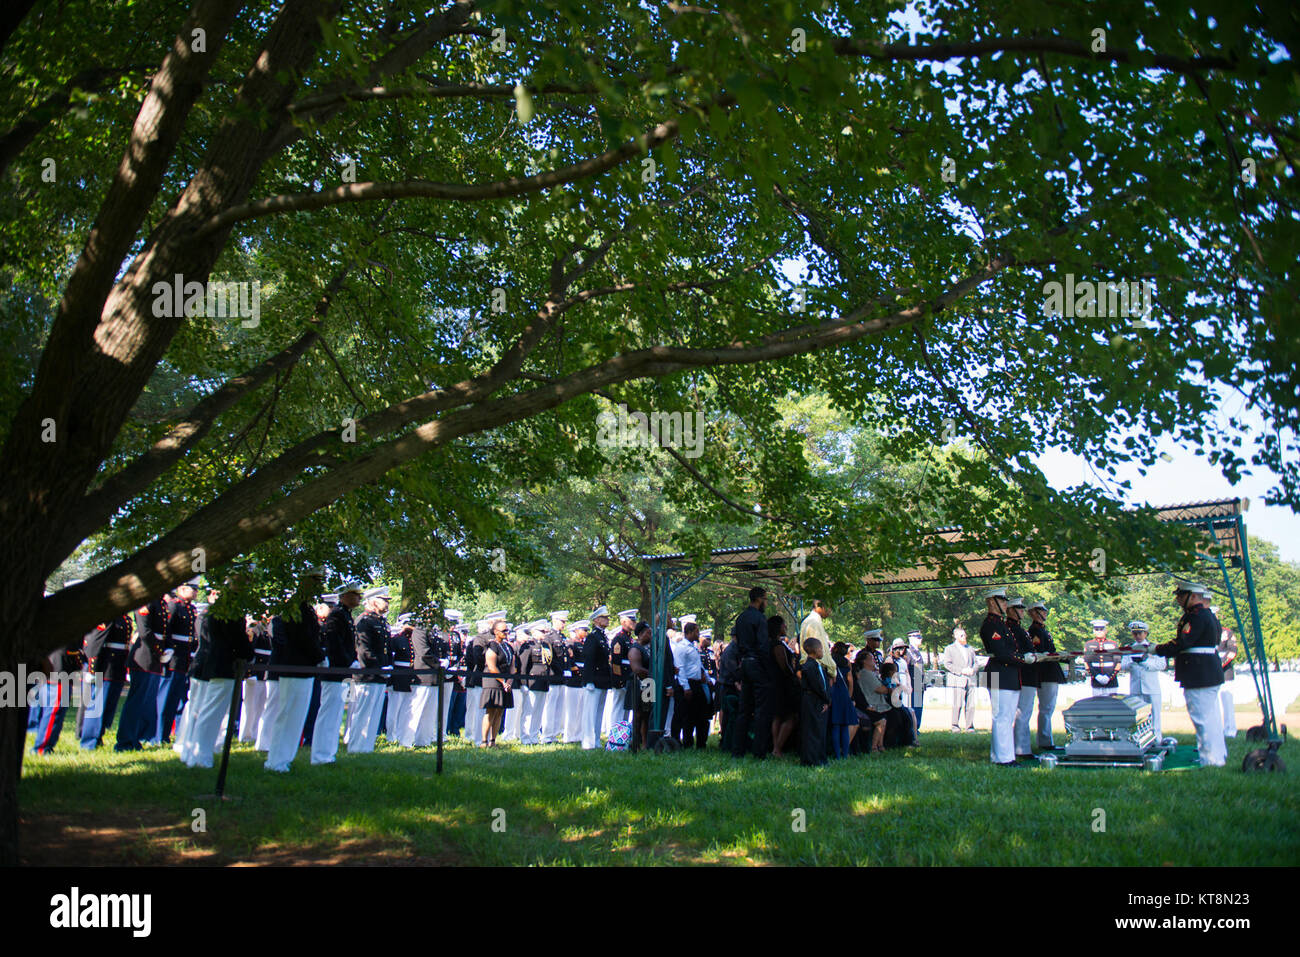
(881, 724)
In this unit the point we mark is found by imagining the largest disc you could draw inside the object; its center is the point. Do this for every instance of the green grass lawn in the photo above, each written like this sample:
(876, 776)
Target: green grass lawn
(939, 804)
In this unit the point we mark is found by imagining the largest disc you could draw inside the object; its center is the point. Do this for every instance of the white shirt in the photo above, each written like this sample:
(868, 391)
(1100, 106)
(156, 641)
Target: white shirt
(686, 656)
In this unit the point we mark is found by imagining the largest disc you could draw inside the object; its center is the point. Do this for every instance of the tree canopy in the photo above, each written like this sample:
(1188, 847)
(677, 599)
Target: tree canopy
(473, 226)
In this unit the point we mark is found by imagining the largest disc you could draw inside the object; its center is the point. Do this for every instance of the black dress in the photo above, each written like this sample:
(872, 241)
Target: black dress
(785, 687)
(632, 695)
(494, 693)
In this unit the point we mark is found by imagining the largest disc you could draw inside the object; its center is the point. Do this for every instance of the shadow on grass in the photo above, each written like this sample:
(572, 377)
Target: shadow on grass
(939, 804)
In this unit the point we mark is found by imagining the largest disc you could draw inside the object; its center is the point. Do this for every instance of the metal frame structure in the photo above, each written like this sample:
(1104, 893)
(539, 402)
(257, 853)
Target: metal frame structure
(1225, 551)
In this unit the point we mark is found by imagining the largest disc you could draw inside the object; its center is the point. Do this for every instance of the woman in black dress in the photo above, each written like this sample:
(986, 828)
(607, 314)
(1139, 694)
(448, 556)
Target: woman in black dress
(496, 690)
(785, 685)
(638, 662)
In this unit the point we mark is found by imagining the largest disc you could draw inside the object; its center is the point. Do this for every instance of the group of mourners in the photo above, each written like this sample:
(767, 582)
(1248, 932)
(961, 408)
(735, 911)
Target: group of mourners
(317, 672)
(837, 699)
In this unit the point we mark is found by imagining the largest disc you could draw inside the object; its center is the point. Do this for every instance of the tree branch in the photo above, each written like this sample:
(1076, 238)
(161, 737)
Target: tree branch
(26, 129)
(239, 520)
(409, 189)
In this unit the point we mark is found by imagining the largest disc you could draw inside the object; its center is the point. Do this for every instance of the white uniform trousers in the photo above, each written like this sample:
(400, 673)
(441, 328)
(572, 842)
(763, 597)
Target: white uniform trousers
(530, 722)
(1229, 708)
(553, 714)
(1005, 702)
(1024, 712)
(474, 714)
(250, 714)
(422, 719)
(1047, 693)
(1207, 717)
(511, 730)
(366, 700)
(203, 729)
(614, 710)
(269, 711)
(399, 715)
(350, 709)
(591, 716)
(197, 690)
(575, 706)
(329, 718)
(293, 701)
(1154, 701)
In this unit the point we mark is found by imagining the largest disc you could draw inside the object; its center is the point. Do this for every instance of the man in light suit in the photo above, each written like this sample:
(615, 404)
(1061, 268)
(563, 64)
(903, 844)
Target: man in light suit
(1144, 672)
(958, 663)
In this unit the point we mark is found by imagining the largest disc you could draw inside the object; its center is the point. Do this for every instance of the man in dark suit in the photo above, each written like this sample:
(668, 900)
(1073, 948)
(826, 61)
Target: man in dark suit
(814, 703)
(755, 678)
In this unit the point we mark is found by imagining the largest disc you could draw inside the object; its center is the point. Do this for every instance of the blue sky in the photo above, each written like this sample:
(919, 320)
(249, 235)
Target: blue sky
(1188, 477)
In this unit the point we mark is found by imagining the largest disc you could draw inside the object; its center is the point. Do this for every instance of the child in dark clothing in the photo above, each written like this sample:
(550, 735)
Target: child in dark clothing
(814, 703)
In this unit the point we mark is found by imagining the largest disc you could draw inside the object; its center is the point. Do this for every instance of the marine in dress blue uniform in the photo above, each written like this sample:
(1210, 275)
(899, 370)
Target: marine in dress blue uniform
(294, 641)
(222, 642)
(1002, 676)
(1028, 679)
(65, 668)
(372, 652)
(255, 685)
(1197, 669)
(399, 682)
(1050, 676)
(595, 666)
(106, 648)
(339, 641)
(179, 638)
(1102, 660)
(139, 720)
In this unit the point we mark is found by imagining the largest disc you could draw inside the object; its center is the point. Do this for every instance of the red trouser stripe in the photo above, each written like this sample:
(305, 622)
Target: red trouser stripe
(49, 729)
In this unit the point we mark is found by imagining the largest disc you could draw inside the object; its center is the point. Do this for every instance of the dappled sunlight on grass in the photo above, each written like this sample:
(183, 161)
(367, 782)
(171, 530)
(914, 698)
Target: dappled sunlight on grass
(560, 805)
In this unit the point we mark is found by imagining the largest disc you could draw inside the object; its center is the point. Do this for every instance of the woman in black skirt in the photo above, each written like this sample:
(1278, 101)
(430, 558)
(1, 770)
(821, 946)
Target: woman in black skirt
(496, 691)
(785, 685)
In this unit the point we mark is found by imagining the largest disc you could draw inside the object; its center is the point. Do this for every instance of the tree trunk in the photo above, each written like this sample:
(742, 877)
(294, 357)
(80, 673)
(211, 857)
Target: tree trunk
(13, 737)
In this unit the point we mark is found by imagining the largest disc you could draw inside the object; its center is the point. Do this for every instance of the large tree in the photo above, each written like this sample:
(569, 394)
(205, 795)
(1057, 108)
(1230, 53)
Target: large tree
(468, 222)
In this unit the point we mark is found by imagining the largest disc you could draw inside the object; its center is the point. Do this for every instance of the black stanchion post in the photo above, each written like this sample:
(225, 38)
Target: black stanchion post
(441, 693)
(236, 694)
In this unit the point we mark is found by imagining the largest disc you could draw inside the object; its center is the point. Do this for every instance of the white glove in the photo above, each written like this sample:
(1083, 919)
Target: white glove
(1029, 657)
(968, 672)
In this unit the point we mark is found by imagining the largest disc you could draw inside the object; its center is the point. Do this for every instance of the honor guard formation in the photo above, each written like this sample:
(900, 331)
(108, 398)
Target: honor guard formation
(331, 669)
